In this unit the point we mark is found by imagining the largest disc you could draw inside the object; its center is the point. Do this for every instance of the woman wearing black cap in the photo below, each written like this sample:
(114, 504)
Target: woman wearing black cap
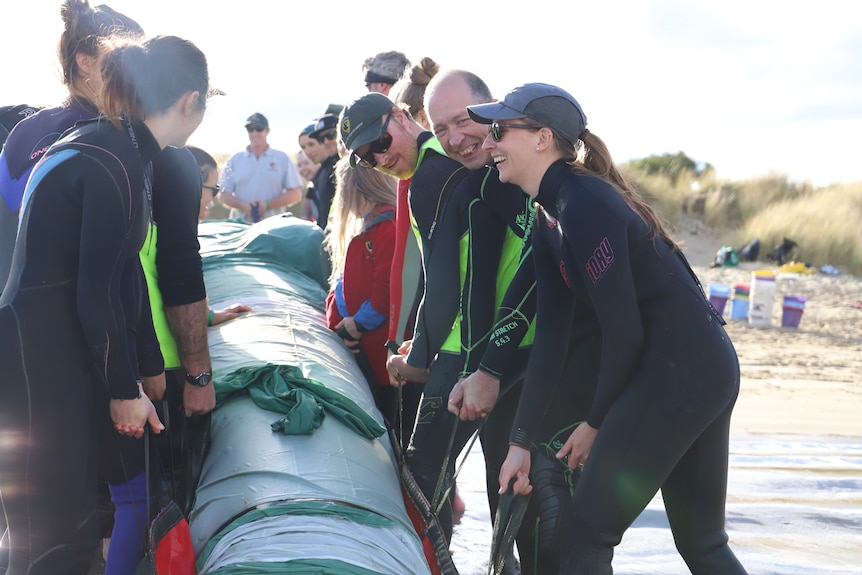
(616, 299)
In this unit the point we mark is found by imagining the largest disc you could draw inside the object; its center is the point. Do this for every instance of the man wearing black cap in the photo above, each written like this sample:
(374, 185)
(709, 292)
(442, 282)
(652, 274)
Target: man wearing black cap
(459, 238)
(259, 181)
(326, 134)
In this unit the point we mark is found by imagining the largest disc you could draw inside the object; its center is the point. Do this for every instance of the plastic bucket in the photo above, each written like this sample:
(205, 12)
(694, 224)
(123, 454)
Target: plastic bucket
(718, 295)
(792, 310)
(762, 298)
(739, 302)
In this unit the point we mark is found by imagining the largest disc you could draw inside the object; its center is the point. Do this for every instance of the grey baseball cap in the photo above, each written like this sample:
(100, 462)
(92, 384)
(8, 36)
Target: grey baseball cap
(257, 119)
(361, 121)
(549, 105)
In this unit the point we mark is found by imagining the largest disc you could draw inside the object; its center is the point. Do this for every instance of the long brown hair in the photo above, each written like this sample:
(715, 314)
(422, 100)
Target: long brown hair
(591, 156)
(355, 189)
(86, 30)
(143, 80)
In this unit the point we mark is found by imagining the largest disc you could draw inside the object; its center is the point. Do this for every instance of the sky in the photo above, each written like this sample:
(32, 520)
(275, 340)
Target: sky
(751, 87)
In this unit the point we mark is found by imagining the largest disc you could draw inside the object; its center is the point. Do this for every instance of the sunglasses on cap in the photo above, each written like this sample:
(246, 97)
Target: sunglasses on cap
(254, 128)
(214, 189)
(496, 129)
(379, 146)
(331, 135)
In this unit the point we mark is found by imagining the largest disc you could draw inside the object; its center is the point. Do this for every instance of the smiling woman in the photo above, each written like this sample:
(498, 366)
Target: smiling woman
(609, 278)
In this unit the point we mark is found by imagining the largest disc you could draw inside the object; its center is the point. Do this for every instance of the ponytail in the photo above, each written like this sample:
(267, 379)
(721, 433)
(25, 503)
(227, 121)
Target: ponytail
(119, 95)
(594, 159)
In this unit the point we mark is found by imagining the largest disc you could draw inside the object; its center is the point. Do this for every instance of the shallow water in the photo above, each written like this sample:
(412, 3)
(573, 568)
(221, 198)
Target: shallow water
(794, 506)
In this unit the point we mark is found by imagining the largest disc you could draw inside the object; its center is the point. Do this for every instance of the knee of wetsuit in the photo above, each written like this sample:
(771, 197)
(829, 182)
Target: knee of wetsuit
(553, 489)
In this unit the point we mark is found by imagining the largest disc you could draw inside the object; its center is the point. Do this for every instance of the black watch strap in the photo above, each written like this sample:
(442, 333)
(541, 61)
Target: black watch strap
(201, 380)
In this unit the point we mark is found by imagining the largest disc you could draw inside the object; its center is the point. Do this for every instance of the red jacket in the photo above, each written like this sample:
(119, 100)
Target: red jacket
(364, 287)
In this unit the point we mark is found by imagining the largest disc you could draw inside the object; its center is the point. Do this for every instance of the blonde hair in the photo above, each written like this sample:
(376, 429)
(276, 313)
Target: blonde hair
(357, 191)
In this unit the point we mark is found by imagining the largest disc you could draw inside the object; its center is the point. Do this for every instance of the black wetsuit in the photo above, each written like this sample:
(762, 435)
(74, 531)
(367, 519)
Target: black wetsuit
(26, 144)
(180, 281)
(504, 354)
(324, 189)
(65, 320)
(660, 390)
(450, 221)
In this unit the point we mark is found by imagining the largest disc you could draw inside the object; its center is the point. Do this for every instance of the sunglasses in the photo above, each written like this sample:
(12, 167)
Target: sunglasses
(254, 128)
(327, 136)
(214, 189)
(378, 146)
(496, 129)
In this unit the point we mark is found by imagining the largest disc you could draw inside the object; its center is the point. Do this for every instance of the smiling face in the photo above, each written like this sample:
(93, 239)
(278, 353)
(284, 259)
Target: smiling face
(315, 151)
(514, 155)
(306, 168)
(400, 157)
(459, 135)
(257, 135)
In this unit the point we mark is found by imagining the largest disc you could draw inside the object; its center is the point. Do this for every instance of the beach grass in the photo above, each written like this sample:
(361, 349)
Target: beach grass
(823, 221)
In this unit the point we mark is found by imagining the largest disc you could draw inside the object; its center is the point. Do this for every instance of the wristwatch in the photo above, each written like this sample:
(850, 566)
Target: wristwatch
(202, 380)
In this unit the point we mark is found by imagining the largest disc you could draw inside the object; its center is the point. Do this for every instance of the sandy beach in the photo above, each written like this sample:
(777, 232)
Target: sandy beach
(794, 501)
(805, 380)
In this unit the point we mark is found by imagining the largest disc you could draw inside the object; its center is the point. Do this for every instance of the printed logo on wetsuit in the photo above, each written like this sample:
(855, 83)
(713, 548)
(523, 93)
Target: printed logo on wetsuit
(38, 153)
(564, 274)
(600, 261)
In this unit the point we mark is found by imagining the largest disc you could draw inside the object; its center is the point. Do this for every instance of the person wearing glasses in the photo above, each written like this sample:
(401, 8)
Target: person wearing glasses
(325, 133)
(449, 223)
(259, 181)
(504, 360)
(660, 392)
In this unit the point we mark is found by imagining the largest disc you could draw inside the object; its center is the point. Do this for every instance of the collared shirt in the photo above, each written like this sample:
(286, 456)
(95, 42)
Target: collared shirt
(266, 177)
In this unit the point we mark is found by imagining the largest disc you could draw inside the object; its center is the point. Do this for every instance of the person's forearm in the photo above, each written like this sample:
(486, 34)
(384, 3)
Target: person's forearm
(229, 200)
(287, 199)
(188, 324)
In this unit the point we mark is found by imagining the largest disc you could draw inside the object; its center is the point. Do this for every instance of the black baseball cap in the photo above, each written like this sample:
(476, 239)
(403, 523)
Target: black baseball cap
(362, 120)
(257, 119)
(549, 105)
(324, 124)
(306, 131)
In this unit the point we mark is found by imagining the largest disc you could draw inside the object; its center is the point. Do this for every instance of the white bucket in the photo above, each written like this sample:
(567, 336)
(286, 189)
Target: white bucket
(762, 298)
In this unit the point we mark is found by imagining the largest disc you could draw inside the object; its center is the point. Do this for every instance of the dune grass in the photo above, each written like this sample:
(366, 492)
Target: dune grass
(825, 221)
